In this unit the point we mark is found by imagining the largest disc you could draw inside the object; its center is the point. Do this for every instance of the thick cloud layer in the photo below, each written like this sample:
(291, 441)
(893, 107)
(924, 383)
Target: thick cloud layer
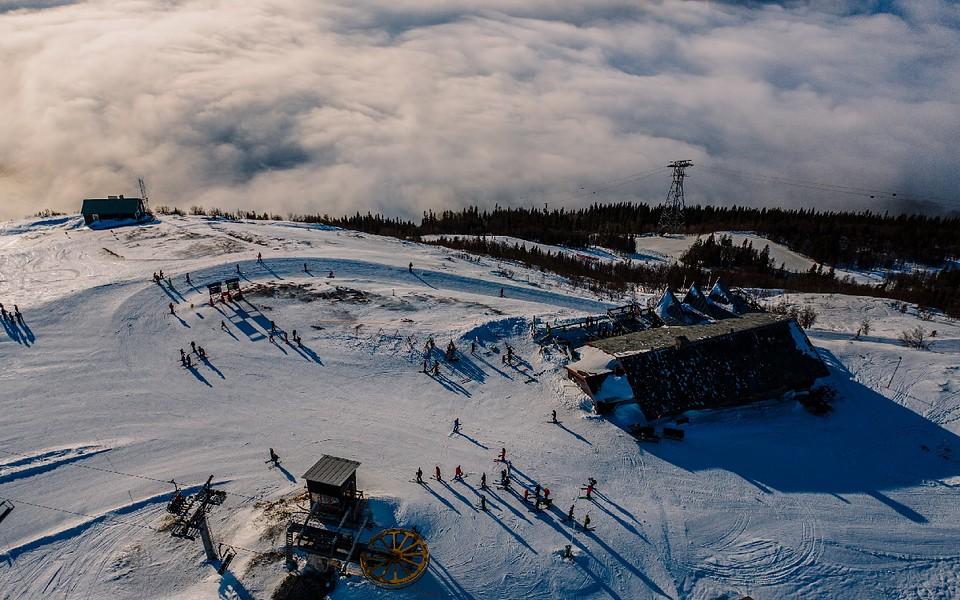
(403, 105)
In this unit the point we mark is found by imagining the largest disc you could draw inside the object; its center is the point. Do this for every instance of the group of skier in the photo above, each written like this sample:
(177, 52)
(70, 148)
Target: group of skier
(541, 494)
(187, 359)
(13, 316)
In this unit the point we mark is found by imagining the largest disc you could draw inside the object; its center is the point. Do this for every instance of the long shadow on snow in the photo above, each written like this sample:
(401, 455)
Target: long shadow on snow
(14, 333)
(468, 369)
(601, 496)
(547, 516)
(450, 384)
(868, 443)
(231, 588)
(438, 576)
(46, 466)
(286, 473)
(206, 362)
(446, 502)
(626, 564)
(472, 440)
(269, 270)
(196, 373)
(574, 434)
(26, 329)
(79, 528)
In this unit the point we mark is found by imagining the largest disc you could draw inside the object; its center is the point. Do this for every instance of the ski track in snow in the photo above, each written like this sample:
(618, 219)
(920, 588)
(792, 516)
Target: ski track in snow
(687, 520)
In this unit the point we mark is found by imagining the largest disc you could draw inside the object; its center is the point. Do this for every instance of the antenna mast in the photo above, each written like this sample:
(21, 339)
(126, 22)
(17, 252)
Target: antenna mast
(143, 193)
(671, 218)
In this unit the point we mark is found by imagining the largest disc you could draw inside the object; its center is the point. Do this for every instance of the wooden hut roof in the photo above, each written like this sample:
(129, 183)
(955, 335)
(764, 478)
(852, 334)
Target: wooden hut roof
(331, 470)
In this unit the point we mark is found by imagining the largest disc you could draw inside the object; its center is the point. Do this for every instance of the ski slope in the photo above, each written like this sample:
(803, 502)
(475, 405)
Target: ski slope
(98, 414)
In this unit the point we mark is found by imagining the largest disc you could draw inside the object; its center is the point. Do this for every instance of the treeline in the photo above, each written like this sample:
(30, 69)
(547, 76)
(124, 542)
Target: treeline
(862, 240)
(940, 290)
(713, 251)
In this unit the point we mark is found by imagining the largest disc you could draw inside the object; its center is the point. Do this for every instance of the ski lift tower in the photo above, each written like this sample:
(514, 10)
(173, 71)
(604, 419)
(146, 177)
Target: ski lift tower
(191, 518)
(671, 217)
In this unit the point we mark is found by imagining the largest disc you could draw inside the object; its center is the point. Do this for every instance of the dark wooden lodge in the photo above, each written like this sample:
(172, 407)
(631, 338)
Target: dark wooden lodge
(112, 208)
(725, 363)
(332, 484)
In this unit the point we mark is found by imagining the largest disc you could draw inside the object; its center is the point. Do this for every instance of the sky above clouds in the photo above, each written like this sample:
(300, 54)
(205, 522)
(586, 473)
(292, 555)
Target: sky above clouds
(399, 106)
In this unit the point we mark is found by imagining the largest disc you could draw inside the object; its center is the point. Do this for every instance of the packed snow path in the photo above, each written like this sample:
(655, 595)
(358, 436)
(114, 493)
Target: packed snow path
(98, 412)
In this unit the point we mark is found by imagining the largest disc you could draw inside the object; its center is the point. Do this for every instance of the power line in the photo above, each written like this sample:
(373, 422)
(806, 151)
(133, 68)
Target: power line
(827, 187)
(615, 183)
(114, 472)
(107, 516)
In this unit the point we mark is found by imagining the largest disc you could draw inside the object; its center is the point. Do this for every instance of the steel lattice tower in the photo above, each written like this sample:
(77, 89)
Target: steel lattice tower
(671, 218)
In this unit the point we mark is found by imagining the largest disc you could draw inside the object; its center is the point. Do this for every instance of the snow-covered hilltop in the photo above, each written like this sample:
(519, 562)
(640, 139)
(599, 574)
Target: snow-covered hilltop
(98, 413)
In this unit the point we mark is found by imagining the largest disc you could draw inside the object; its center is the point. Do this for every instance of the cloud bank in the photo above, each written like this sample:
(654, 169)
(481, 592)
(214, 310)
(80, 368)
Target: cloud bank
(404, 105)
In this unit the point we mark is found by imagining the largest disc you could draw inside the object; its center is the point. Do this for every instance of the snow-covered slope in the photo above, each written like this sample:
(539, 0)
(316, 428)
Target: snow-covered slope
(655, 249)
(97, 413)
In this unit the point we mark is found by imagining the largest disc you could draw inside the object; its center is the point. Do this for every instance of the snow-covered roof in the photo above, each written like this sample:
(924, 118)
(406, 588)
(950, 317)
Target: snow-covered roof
(593, 360)
(661, 337)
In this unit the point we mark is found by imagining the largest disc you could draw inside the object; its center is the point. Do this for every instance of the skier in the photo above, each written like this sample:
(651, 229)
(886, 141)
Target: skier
(171, 309)
(155, 277)
(238, 269)
(439, 478)
(553, 416)
(285, 339)
(411, 267)
(273, 327)
(458, 474)
(426, 367)
(526, 494)
(586, 523)
(456, 425)
(161, 273)
(509, 355)
(537, 489)
(473, 347)
(483, 503)
(201, 353)
(503, 454)
(419, 475)
(546, 494)
(305, 269)
(436, 368)
(483, 481)
(223, 326)
(189, 362)
(330, 274)
(270, 337)
(570, 513)
(193, 347)
(188, 279)
(274, 458)
(501, 292)
(589, 490)
(259, 257)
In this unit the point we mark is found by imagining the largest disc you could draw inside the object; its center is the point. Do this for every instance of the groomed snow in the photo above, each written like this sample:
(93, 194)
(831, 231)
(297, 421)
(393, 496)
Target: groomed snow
(766, 500)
